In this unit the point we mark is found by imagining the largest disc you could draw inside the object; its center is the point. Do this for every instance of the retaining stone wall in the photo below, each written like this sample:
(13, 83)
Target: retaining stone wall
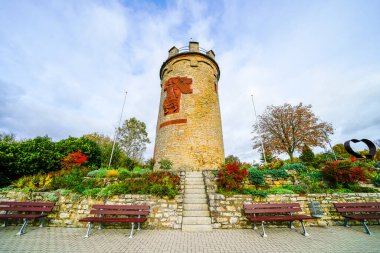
(226, 211)
(165, 213)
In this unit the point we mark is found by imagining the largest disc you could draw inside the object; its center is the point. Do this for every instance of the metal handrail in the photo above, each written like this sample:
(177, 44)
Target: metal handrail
(187, 49)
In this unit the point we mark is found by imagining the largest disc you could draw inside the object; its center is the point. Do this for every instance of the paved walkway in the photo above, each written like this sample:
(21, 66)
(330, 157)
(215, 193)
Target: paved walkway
(51, 239)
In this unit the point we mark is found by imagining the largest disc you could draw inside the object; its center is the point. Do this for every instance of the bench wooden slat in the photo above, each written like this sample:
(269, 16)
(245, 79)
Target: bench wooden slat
(118, 212)
(357, 209)
(29, 204)
(113, 219)
(26, 209)
(249, 206)
(21, 216)
(280, 218)
(273, 210)
(121, 207)
(363, 216)
(358, 204)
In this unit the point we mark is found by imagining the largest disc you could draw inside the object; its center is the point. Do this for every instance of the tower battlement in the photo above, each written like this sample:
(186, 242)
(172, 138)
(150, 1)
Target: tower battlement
(193, 47)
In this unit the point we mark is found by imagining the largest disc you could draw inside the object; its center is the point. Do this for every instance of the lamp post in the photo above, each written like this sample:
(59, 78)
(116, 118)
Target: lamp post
(258, 128)
(117, 130)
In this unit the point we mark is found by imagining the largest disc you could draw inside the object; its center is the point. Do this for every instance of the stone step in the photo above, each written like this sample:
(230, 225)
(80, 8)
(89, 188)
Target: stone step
(194, 174)
(196, 220)
(195, 207)
(195, 201)
(194, 190)
(196, 213)
(195, 196)
(194, 186)
(194, 181)
(196, 228)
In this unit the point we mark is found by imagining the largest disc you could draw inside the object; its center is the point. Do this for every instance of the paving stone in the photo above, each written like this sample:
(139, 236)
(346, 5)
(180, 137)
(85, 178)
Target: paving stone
(55, 240)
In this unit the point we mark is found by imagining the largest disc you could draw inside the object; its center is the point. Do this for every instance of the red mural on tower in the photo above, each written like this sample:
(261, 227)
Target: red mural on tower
(175, 87)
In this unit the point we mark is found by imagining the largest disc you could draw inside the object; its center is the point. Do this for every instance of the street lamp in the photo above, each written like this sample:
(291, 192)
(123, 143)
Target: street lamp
(117, 131)
(258, 128)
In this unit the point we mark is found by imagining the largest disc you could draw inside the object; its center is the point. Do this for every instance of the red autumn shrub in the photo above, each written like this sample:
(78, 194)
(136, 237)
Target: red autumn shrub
(231, 176)
(163, 177)
(342, 172)
(74, 160)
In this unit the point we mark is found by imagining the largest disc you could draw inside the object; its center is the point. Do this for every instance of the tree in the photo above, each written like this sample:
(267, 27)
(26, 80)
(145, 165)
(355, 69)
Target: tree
(231, 159)
(85, 145)
(340, 151)
(307, 155)
(287, 128)
(105, 144)
(133, 138)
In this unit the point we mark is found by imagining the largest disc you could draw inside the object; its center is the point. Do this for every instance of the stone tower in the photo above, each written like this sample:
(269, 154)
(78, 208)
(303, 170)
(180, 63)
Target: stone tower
(189, 129)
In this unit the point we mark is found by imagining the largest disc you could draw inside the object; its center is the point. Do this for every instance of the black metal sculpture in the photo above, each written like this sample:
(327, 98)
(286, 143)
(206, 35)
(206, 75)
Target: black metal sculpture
(370, 145)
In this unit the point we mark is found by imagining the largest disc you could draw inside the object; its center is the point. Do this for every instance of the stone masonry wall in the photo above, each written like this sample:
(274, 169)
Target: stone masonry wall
(165, 213)
(70, 207)
(227, 211)
(191, 138)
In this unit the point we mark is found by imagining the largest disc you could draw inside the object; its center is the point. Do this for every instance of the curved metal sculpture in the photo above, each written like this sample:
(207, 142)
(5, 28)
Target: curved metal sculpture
(370, 145)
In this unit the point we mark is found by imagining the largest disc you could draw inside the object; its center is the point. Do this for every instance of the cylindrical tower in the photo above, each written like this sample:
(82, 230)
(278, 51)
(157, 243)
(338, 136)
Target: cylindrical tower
(189, 128)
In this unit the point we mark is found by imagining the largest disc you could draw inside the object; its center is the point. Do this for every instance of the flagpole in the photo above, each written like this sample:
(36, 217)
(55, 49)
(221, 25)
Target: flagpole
(258, 128)
(117, 130)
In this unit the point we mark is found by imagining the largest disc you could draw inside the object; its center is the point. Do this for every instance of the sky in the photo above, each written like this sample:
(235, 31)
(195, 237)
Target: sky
(65, 65)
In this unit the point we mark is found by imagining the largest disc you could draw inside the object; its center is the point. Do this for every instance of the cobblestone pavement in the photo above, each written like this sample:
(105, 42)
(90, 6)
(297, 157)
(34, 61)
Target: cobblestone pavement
(52, 239)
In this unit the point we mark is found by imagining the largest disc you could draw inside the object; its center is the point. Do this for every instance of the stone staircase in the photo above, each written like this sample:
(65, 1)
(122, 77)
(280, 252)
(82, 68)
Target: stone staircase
(196, 215)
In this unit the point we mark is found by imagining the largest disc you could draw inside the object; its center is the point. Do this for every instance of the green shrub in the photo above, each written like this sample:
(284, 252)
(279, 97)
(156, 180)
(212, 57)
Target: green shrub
(376, 181)
(165, 164)
(256, 177)
(27, 157)
(255, 193)
(294, 188)
(299, 167)
(130, 163)
(358, 188)
(163, 190)
(92, 193)
(124, 173)
(278, 174)
(280, 190)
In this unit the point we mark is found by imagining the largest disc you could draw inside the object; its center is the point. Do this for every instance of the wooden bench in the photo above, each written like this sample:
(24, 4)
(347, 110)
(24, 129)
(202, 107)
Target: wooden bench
(26, 211)
(275, 212)
(117, 214)
(359, 211)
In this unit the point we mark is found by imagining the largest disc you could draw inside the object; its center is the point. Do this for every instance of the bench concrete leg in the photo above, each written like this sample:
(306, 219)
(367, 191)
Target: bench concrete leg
(262, 226)
(133, 227)
(346, 222)
(291, 225)
(88, 230)
(100, 226)
(254, 226)
(138, 226)
(364, 222)
(304, 230)
(23, 228)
